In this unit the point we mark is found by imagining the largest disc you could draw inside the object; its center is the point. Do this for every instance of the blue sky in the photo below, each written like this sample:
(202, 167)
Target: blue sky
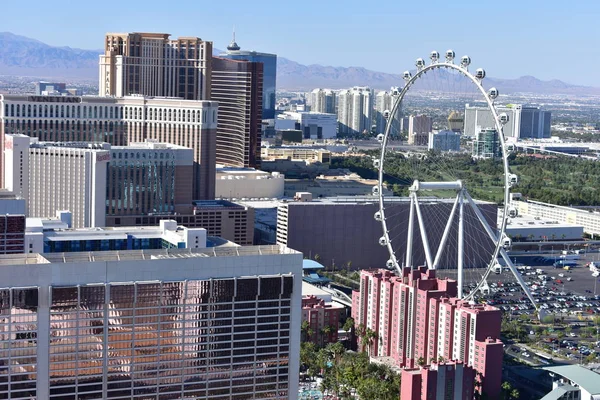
(543, 38)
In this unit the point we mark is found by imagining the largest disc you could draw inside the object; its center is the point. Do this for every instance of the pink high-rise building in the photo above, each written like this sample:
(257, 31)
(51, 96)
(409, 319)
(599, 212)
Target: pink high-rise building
(449, 380)
(419, 321)
(321, 314)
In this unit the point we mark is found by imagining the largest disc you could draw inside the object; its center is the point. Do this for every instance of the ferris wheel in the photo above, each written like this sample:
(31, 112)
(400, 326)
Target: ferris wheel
(438, 223)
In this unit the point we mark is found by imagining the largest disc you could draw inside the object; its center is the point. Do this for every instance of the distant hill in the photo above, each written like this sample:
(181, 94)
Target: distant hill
(293, 75)
(22, 56)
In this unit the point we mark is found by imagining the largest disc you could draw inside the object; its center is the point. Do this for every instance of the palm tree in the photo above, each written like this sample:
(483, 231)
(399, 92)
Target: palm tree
(304, 329)
(349, 327)
(326, 330)
(420, 361)
(441, 360)
(370, 335)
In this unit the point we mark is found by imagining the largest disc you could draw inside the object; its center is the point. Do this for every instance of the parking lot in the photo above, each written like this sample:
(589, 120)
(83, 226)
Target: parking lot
(555, 290)
(569, 298)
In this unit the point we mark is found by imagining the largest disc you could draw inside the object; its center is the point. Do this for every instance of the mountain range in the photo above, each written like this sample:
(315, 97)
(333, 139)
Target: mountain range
(23, 56)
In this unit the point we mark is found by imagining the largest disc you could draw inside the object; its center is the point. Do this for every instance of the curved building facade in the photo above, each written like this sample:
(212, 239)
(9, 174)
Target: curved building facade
(237, 86)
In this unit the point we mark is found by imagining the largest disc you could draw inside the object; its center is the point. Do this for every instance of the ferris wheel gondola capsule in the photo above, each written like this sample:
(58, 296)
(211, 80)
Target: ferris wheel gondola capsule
(493, 93)
(420, 63)
(390, 264)
(376, 163)
(386, 114)
(377, 216)
(513, 180)
(434, 57)
(504, 118)
(380, 137)
(480, 73)
(450, 56)
(465, 61)
(506, 242)
(407, 75)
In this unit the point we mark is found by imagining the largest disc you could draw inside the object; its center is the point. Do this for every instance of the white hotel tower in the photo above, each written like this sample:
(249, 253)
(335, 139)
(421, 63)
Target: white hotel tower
(355, 110)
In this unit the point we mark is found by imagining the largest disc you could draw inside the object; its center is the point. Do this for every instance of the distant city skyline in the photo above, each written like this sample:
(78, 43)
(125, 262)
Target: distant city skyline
(520, 38)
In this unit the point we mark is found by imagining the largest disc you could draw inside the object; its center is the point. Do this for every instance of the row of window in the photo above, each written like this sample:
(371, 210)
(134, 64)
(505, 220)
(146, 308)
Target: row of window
(107, 112)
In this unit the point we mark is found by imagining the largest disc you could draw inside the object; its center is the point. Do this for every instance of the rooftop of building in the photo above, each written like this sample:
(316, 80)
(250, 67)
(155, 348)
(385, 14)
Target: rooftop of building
(298, 147)
(151, 144)
(111, 233)
(92, 146)
(505, 107)
(558, 392)
(585, 378)
(566, 208)
(141, 255)
(375, 199)
(310, 268)
(239, 52)
(308, 264)
(227, 172)
(300, 113)
(217, 204)
(312, 290)
(6, 194)
(132, 99)
(530, 221)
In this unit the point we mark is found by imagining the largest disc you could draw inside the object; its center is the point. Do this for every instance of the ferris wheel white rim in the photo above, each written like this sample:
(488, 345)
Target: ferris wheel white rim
(449, 64)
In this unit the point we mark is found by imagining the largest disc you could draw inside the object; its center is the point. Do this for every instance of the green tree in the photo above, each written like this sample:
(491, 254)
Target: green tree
(350, 328)
(325, 331)
(304, 327)
(308, 355)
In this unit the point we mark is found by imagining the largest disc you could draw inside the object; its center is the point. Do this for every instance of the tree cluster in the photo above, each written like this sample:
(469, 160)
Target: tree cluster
(347, 373)
(558, 180)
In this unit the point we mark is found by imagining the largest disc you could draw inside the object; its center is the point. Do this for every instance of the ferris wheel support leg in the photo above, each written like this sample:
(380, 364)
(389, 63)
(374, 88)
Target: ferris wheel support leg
(518, 276)
(502, 252)
(409, 237)
(440, 250)
(461, 244)
(423, 231)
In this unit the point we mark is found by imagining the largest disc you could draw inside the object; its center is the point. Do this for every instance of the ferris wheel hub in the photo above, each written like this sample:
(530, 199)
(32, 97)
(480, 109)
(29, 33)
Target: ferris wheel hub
(451, 185)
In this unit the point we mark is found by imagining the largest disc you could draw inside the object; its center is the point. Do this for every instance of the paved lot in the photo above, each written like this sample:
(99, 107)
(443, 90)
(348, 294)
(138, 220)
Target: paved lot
(582, 282)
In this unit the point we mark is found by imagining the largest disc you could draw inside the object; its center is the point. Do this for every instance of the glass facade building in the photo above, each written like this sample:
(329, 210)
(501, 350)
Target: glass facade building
(194, 338)
(269, 86)
(129, 243)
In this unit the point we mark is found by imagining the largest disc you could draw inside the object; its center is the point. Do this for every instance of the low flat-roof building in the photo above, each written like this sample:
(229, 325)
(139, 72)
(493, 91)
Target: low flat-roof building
(220, 218)
(43, 239)
(537, 229)
(248, 183)
(588, 218)
(314, 125)
(337, 182)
